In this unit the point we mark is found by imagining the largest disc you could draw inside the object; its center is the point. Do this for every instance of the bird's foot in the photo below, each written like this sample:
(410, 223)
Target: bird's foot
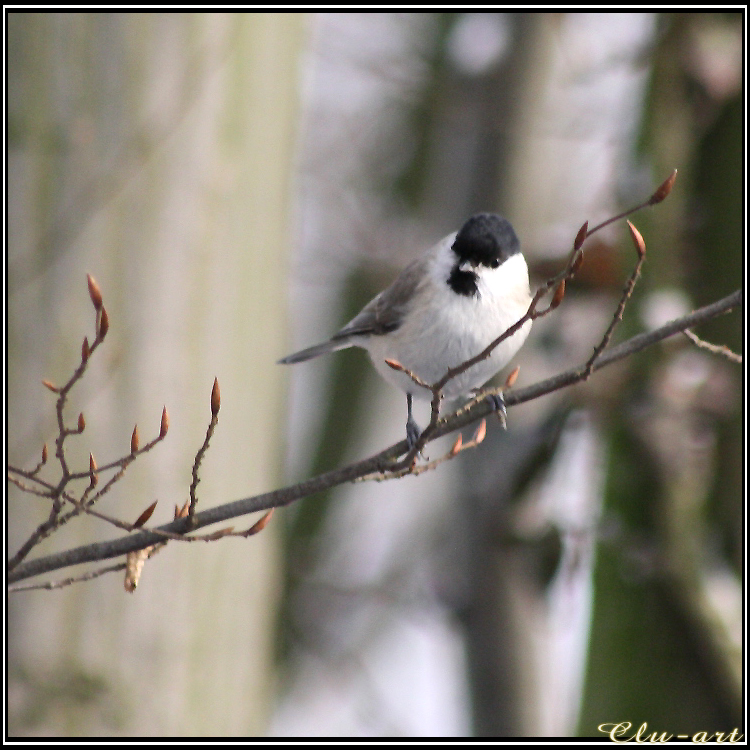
(412, 432)
(498, 404)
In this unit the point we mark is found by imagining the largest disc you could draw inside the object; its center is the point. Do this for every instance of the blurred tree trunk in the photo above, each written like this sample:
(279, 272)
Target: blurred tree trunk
(153, 151)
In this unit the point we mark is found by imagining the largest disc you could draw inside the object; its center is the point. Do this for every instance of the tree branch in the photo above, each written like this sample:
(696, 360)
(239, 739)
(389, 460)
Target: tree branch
(382, 463)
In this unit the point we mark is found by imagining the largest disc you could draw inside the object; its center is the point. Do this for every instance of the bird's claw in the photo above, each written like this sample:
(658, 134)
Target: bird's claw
(498, 404)
(412, 433)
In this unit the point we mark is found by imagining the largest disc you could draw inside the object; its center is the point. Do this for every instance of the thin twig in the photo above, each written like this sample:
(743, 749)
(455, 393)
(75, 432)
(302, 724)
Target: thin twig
(27, 488)
(49, 585)
(626, 294)
(120, 462)
(53, 520)
(722, 351)
(57, 492)
(657, 197)
(458, 447)
(215, 406)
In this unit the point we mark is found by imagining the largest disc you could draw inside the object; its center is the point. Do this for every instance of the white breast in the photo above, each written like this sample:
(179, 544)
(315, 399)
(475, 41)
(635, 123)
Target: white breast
(443, 329)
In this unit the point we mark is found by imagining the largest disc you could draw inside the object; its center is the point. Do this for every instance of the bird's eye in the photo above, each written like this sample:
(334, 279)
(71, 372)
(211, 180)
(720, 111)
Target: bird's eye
(495, 262)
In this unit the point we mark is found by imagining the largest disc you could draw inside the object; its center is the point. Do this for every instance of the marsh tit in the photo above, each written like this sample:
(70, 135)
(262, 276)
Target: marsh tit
(444, 308)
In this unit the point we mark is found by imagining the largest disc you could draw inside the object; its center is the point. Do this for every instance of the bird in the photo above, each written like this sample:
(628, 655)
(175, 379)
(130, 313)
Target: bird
(445, 307)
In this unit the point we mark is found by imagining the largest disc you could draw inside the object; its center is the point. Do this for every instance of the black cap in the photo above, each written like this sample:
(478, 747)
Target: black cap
(486, 239)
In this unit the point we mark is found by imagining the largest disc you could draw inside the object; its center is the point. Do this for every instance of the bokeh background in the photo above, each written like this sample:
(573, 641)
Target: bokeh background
(239, 185)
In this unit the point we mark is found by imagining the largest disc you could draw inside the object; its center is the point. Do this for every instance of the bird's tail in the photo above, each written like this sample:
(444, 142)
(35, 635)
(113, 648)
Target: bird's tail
(314, 351)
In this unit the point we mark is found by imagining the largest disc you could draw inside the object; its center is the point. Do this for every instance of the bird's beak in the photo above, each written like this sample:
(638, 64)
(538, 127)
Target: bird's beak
(467, 265)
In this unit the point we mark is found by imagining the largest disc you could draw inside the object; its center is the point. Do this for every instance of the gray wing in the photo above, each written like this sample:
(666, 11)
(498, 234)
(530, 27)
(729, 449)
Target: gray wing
(386, 312)
(383, 314)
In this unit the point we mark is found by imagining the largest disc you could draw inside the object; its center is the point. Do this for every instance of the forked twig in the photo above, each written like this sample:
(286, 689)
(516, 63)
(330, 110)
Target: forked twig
(60, 495)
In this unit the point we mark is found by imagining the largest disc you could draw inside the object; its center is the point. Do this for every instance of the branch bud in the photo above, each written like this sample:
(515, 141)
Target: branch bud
(481, 432)
(44, 453)
(92, 470)
(663, 190)
(394, 365)
(215, 398)
(81, 423)
(145, 515)
(260, 524)
(164, 424)
(581, 236)
(558, 296)
(103, 323)
(85, 350)
(134, 440)
(94, 292)
(456, 449)
(49, 385)
(640, 245)
(510, 381)
(577, 262)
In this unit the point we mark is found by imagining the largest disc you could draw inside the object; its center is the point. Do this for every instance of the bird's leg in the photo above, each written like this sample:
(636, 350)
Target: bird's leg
(412, 428)
(498, 404)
